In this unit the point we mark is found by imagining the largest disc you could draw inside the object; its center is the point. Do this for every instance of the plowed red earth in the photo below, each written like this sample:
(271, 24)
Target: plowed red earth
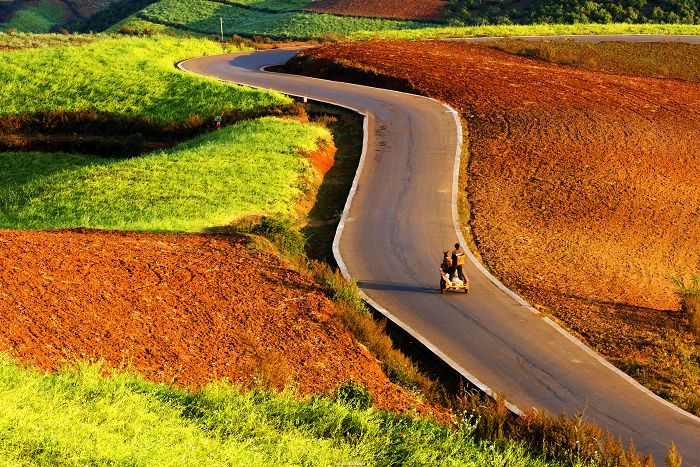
(429, 10)
(583, 188)
(186, 309)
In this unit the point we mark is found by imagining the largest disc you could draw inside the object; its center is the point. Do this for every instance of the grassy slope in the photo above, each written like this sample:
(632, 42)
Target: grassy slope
(125, 420)
(252, 167)
(126, 76)
(35, 18)
(203, 16)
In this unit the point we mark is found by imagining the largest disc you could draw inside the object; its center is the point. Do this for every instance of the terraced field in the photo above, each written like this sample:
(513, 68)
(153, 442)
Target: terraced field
(258, 18)
(183, 310)
(420, 10)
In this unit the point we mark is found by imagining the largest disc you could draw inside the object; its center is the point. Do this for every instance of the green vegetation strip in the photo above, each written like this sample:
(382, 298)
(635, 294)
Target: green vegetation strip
(573, 11)
(203, 16)
(528, 30)
(253, 167)
(126, 421)
(270, 5)
(19, 40)
(130, 76)
(39, 17)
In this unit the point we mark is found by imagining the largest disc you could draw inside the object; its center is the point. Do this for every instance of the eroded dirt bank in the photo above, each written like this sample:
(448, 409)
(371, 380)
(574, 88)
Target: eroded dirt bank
(583, 188)
(179, 308)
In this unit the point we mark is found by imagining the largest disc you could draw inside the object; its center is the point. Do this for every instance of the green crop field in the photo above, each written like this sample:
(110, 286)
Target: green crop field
(123, 420)
(527, 30)
(19, 40)
(132, 77)
(272, 5)
(477, 12)
(249, 168)
(203, 16)
(35, 18)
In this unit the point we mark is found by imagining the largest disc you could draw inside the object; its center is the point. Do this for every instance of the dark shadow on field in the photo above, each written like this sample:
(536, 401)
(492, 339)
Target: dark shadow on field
(347, 130)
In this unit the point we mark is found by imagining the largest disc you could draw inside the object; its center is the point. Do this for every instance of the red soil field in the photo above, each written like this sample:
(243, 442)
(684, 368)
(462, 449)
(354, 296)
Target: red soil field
(583, 188)
(427, 10)
(185, 309)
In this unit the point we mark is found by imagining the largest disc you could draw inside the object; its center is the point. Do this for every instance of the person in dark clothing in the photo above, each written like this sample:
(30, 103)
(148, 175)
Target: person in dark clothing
(446, 265)
(458, 257)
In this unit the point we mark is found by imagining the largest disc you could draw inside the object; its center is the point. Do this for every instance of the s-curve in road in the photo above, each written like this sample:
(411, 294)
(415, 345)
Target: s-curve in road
(401, 216)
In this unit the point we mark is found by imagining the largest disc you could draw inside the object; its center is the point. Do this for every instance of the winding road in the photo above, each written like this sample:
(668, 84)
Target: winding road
(402, 213)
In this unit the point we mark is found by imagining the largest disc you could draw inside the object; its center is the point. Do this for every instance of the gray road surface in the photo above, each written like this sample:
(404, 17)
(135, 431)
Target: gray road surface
(401, 216)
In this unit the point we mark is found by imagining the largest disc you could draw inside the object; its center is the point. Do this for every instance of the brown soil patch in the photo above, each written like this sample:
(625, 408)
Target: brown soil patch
(427, 10)
(186, 309)
(583, 188)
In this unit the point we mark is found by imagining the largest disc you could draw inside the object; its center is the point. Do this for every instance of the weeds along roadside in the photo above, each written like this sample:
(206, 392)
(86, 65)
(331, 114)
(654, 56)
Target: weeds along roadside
(568, 440)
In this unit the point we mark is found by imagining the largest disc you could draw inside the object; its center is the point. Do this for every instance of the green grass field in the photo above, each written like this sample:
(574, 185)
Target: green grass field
(124, 420)
(35, 18)
(202, 16)
(131, 76)
(250, 168)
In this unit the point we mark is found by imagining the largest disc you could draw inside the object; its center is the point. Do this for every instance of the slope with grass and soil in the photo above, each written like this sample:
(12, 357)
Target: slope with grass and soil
(189, 310)
(126, 420)
(580, 186)
(255, 18)
(185, 309)
(181, 309)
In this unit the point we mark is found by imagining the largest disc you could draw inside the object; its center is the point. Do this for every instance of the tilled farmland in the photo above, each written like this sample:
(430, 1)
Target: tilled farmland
(430, 10)
(582, 185)
(186, 309)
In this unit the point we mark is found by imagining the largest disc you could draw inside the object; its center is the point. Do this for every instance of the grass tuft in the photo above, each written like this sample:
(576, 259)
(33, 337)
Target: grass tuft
(689, 296)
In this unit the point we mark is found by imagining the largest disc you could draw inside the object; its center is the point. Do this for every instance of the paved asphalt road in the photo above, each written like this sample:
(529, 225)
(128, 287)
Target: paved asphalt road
(398, 221)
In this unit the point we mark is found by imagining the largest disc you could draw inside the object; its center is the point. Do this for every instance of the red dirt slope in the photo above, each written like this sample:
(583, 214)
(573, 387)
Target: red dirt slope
(428, 10)
(583, 188)
(180, 308)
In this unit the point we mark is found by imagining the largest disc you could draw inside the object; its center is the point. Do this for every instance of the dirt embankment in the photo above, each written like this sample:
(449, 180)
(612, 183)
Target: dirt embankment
(583, 188)
(426, 10)
(179, 308)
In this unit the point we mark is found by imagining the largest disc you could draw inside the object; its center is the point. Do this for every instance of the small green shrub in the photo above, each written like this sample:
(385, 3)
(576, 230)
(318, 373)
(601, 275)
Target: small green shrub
(354, 395)
(282, 233)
